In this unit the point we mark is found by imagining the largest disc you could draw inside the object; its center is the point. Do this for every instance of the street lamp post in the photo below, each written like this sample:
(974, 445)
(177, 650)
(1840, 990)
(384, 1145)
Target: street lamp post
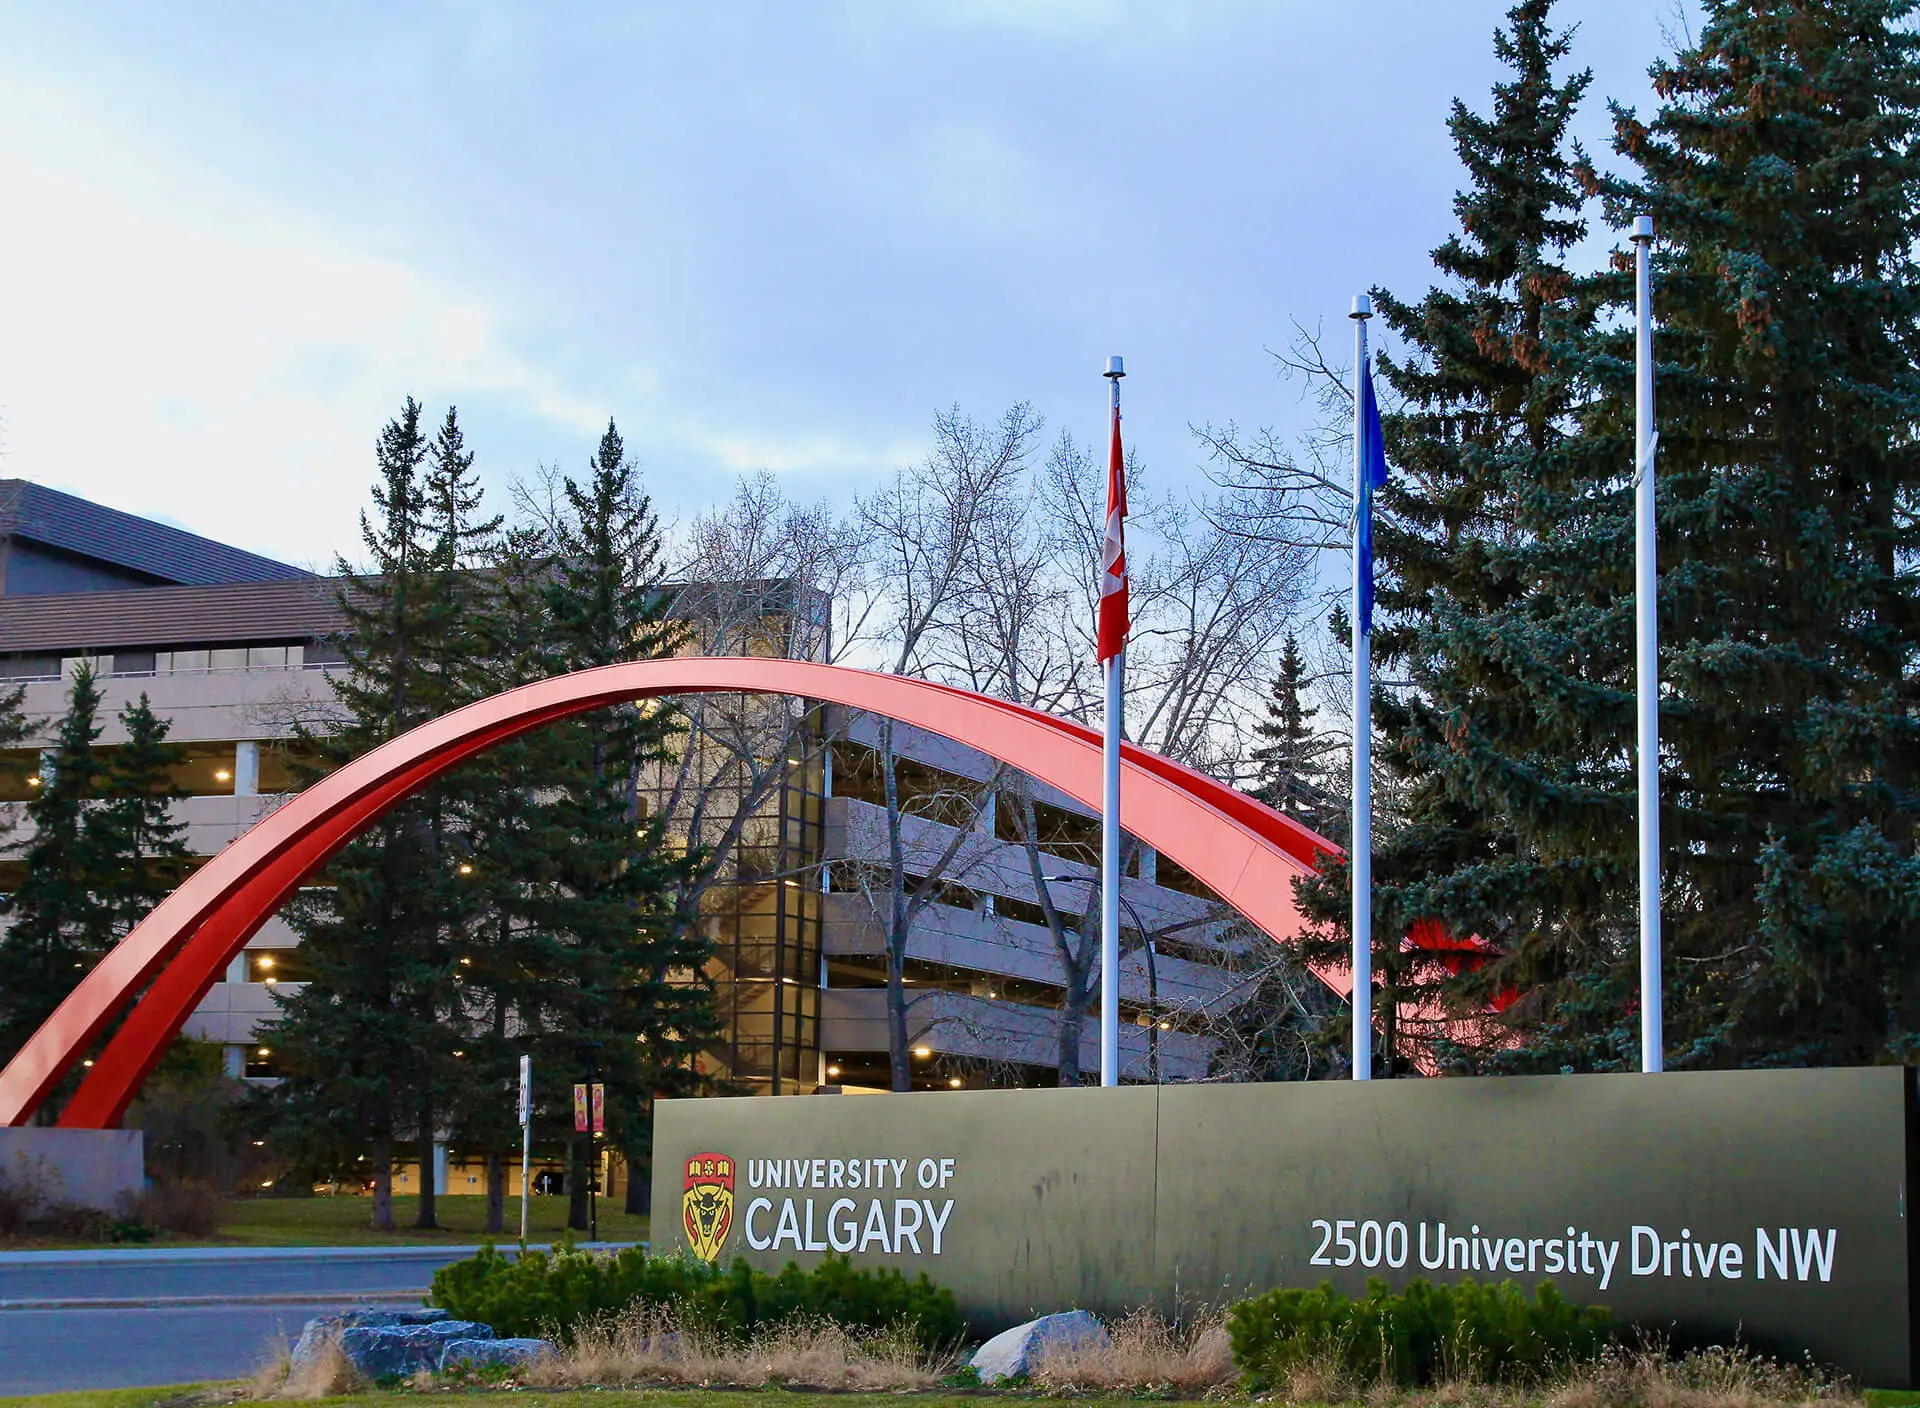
(1153, 976)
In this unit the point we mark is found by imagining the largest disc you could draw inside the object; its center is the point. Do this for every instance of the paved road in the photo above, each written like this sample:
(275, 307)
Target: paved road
(47, 1351)
(120, 1319)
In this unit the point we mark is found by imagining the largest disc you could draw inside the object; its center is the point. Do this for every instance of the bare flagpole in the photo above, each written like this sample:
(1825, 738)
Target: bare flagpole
(1646, 652)
(1360, 851)
(1110, 827)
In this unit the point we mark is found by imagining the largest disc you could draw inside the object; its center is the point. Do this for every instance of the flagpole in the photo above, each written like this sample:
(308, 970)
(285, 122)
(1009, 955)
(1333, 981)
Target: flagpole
(1360, 852)
(1646, 609)
(1110, 835)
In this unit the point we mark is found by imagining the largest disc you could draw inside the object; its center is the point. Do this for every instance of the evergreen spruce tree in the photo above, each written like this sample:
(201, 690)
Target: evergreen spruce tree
(1783, 176)
(1483, 757)
(636, 979)
(515, 964)
(365, 1043)
(1289, 764)
(60, 920)
(453, 597)
(145, 843)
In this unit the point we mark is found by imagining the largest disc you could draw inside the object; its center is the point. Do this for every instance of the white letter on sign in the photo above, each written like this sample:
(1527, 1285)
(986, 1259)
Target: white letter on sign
(852, 1225)
(754, 1240)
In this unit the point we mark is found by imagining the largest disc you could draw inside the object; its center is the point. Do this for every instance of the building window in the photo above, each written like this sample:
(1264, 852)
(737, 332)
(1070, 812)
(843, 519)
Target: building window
(273, 966)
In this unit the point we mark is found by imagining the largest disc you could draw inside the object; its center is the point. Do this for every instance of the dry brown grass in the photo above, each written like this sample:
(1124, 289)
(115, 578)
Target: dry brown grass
(1647, 1376)
(1148, 1352)
(322, 1376)
(646, 1347)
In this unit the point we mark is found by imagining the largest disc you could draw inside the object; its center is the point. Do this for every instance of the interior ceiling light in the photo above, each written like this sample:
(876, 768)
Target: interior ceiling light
(34, 781)
(466, 869)
(955, 1082)
(923, 1051)
(833, 1070)
(222, 775)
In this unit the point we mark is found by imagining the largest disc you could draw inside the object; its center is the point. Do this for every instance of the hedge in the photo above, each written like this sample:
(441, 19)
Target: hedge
(1419, 1336)
(538, 1293)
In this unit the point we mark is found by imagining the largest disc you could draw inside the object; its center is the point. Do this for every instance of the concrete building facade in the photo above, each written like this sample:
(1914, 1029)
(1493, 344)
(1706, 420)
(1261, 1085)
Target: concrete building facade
(232, 649)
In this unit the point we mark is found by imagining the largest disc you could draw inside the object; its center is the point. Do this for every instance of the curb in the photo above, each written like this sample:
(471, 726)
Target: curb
(167, 1302)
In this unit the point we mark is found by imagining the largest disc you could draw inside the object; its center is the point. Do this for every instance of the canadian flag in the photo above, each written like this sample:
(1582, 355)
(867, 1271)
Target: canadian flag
(1113, 558)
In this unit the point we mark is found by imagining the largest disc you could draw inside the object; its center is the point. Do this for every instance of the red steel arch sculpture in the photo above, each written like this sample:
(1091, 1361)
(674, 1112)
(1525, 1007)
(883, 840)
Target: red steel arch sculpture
(1244, 851)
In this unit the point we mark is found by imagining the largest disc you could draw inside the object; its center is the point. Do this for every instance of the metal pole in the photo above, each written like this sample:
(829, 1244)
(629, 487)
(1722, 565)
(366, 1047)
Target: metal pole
(593, 1151)
(1360, 852)
(526, 1140)
(1110, 843)
(1153, 1014)
(1646, 613)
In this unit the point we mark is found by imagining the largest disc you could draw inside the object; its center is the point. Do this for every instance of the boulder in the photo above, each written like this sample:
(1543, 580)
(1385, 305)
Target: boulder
(478, 1354)
(1018, 1351)
(325, 1327)
(377, 1351)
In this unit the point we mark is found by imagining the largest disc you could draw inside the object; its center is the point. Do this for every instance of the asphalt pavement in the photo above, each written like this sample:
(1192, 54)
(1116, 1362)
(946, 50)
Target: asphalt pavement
(129, 1318)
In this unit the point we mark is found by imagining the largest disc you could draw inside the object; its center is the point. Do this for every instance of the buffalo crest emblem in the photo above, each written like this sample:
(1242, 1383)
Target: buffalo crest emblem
(706, 1208)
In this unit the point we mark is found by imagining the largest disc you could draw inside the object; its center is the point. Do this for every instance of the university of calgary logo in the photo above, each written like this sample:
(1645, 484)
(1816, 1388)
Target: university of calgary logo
(706, 1208)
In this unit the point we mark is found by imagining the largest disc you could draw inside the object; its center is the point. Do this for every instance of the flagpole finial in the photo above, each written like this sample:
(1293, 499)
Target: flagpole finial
(1362, 306)
(1116, 367)
(1642, 227)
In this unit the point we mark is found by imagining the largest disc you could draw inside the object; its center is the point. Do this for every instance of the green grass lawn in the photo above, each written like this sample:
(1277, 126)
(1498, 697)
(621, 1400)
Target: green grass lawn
(191, 1395)
(342, 1222)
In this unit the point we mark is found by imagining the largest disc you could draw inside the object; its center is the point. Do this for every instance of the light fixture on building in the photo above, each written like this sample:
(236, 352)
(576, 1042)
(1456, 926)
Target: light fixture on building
(87, 1063)
(222, 775)
(264, 962)
(833, 1070)
(269, 980)
(259, 1143)
(955, 1082)
(923, 1051)
(264, 1052)
(34, 781)
(466, 869)
(459, 1053)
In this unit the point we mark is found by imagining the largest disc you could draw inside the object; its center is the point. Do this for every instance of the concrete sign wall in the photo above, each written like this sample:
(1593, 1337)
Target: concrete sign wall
(1770, 1205)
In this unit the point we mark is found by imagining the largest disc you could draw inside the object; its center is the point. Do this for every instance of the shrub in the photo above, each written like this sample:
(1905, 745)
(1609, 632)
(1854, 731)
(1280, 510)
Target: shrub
(537, 1292)
(184, 1209)
(1422, 1335)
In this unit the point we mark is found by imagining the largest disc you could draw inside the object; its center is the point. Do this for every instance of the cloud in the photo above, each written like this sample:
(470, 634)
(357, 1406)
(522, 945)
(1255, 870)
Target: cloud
(169, 344)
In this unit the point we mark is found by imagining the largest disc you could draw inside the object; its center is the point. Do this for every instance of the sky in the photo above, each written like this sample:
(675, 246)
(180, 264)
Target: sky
(233, 239)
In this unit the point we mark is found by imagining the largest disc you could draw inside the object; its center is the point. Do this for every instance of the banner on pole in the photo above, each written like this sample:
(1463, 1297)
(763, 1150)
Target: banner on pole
(599, 1108)
(579, 1109)
(526, 1091)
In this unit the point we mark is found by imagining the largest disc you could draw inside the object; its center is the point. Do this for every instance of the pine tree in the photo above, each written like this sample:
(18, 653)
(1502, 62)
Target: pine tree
(60, 920)
(1474, 747)
(147, 843)
(1783, 177)
(1290, 767)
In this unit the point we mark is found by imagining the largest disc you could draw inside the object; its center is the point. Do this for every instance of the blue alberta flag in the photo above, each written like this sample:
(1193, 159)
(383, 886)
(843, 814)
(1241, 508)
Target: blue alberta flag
(1373, 459)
